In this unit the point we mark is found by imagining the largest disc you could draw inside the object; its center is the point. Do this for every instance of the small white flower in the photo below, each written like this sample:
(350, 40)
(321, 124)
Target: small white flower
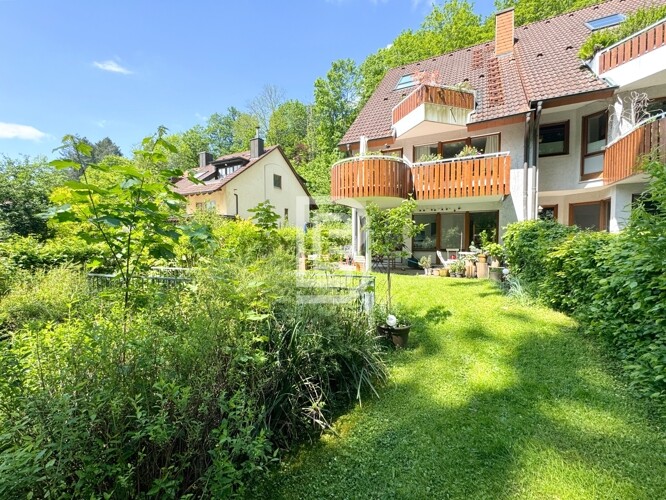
(391, 320)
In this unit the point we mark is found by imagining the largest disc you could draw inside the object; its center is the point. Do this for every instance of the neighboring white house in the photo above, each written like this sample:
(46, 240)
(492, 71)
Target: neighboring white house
(544, 132)
(234, 183)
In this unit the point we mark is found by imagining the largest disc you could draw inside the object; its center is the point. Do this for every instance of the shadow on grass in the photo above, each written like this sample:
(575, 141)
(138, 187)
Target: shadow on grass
(551, 426)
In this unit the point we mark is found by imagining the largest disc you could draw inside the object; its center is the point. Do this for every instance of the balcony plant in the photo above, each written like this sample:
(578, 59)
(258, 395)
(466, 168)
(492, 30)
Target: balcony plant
(388, 230)
(468, 151)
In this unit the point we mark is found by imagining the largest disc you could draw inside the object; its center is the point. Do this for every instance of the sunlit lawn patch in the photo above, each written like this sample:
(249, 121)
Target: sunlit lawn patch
(493, 399)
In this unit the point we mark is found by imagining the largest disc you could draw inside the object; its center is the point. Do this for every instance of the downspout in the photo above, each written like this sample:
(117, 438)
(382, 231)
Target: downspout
(535, 161)
(236, 195)
(526, 153)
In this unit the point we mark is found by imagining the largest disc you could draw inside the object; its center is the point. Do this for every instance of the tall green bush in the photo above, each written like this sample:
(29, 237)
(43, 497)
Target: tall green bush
(528, 244)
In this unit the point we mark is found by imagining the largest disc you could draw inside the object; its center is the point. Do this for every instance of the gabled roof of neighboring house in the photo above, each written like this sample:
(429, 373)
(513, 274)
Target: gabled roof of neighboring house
(544, 65)
(206, 174)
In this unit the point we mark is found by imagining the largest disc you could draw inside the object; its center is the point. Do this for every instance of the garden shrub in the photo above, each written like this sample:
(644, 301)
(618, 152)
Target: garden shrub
(528, 244)
(192, 393)
(27, 252)
(42, 296)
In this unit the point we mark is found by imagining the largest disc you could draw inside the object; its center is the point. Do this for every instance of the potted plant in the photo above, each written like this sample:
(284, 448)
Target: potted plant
(393, 326)
(388, 230)
(426, 263)
(496, 252)
(458, 268)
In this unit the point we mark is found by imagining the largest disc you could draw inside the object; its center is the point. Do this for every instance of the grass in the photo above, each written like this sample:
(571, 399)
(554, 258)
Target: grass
(494, 399)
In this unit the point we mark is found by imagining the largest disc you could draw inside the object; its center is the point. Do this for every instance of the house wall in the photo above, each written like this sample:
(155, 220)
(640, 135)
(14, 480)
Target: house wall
(255, 185)
(217, 196)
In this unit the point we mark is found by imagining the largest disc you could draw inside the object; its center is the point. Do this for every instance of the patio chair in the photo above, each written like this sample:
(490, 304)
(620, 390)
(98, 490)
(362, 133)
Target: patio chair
(452, 253)
(440, 257)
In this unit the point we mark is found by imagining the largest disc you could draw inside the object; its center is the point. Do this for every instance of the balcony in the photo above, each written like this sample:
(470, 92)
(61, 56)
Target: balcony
(638, 60)
(623, 155)
(473, 176)
(356, 181)
(431, 109)
(367, 177)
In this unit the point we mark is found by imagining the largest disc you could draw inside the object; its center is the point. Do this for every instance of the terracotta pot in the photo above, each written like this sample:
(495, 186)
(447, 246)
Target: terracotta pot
(483, 258)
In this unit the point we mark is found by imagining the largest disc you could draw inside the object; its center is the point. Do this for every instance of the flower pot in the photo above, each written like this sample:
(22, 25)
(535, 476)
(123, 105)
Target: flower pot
(444, 272)
(494, 262)
(495, 273)
(483, 258)
(436, 272)
(399, 334)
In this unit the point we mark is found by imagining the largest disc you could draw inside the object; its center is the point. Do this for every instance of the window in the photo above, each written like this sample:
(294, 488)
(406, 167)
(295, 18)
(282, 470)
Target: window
(645, 201)
(422, 153)
(548, 212)
(427, 238)
(286, 214)
(405, 82)
(554, 139)
(451, 149)
(484, 144)
(277, 181)
(605, 22)
(594, 215)
(207, 206)
(453, 231)
(594, 141)
(656, 106)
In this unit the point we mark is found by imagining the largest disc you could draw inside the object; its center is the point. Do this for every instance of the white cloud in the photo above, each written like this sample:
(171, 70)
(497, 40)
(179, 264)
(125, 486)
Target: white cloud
(16, 131)
(112, 66)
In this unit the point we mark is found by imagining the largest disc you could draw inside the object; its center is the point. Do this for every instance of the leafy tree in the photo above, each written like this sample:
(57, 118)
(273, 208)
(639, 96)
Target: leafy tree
(265, 104)
(231, 132)
(189, 144)
(288, 127)
(317, 172)
(25, 185)
(388, 230)
(448, 27)
(97, 152)
(336, 99)
(529, 11)
(130, 215)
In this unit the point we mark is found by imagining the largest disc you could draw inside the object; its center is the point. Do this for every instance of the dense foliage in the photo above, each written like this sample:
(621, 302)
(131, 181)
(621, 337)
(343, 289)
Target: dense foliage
(615, 285)
(25, 186)
(634, 23)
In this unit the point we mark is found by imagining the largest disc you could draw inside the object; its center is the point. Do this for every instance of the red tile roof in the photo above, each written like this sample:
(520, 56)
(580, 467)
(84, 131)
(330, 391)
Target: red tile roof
(544, 65)
(186, 187)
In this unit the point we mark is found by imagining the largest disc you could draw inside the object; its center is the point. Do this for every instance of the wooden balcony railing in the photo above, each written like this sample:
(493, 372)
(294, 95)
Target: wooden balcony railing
(435, 95)
(461, 178)
(370, 176)
(635, 46)
(623, 156)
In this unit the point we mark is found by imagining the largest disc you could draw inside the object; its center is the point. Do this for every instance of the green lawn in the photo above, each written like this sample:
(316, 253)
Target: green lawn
(492, 400)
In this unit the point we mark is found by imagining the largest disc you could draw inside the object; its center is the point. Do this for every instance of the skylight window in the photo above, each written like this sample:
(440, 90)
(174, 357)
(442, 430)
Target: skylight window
(405, 81)
(605, 22)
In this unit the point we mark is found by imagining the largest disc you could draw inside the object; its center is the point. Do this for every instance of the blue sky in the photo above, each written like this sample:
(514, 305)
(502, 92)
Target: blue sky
(120, 68)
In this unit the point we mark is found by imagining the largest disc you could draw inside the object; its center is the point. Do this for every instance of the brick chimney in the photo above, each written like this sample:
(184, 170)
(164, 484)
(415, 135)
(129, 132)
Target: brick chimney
(205, 158)
(256, 146)
(504, 32)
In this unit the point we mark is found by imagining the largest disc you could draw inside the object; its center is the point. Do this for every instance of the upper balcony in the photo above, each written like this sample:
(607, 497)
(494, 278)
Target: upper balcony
(623, 156)
(431, 109)
(364, 178)
(636, 61)
(471, 176)
(386, 179)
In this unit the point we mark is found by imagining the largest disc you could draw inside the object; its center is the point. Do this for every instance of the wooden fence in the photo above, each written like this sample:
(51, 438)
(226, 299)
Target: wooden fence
(641, 43)
(623, 156)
